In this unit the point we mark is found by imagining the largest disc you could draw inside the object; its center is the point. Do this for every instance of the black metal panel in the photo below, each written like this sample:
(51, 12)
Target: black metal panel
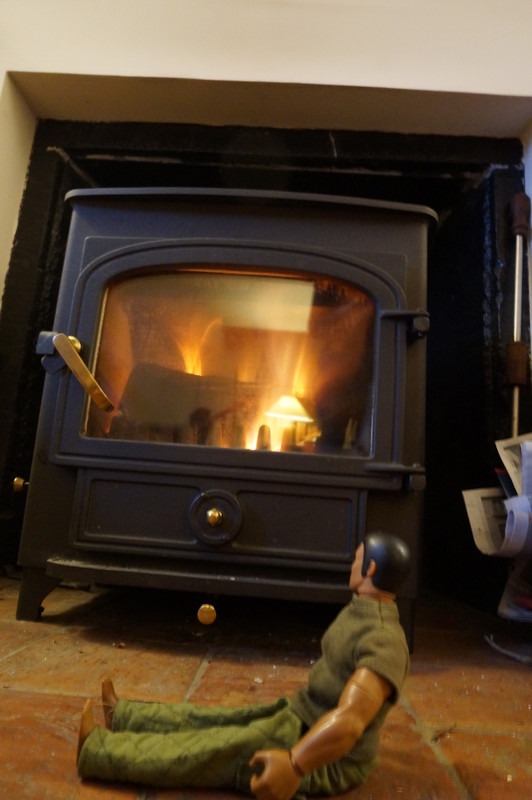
(161, 514)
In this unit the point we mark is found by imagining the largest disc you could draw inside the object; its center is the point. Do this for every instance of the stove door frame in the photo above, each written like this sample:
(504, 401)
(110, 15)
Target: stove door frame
(392, 319)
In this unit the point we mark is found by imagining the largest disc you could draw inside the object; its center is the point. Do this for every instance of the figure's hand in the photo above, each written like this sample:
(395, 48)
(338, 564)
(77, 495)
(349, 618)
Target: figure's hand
(278, 780)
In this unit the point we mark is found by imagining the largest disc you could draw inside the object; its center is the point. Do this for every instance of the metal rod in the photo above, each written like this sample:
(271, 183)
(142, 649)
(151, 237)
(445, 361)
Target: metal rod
(518, 304)
(517, 353)
(518, 291)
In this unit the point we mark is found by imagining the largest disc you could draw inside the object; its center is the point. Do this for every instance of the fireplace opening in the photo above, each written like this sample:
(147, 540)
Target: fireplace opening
(467, 181)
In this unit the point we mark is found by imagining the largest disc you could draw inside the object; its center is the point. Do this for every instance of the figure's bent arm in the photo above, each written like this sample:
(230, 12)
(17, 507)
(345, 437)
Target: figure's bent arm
(337, 732)
(332, 737)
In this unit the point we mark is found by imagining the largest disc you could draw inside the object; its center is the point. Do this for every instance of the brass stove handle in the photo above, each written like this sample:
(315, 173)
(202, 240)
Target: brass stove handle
(68, 348)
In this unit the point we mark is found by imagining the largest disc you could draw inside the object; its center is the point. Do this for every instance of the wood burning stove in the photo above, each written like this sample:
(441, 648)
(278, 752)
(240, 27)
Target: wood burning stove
(234, 393)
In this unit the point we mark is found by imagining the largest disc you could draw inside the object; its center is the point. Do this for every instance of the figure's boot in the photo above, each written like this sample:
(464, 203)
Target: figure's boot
(86, 726)
(109, 701)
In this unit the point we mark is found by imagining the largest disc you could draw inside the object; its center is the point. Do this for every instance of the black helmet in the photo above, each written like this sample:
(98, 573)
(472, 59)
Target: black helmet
(392, 559)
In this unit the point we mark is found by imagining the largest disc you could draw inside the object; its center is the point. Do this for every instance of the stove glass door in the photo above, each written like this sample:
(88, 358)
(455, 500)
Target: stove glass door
(232, 358)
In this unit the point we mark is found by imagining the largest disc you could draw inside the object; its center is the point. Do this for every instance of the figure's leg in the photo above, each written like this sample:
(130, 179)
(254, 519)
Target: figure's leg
(141, 717)
(210, 757)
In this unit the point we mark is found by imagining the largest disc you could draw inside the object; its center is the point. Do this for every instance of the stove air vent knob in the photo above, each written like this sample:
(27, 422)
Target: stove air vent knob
(215, 517)
(206, 614)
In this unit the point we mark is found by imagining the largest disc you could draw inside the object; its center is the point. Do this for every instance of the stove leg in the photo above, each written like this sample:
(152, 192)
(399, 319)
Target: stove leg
(35, 585)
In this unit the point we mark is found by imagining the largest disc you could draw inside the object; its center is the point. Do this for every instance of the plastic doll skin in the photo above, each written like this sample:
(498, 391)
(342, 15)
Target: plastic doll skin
(336, 733)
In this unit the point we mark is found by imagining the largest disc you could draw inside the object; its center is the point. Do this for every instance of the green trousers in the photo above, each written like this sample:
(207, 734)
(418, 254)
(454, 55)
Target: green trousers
(183, 745)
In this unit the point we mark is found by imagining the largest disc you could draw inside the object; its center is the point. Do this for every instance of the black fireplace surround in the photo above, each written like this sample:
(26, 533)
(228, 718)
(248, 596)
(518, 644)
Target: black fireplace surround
(165, 472)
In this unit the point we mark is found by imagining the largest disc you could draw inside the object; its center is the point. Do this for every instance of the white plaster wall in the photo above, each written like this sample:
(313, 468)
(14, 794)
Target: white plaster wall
(17, 124)
(477, 46)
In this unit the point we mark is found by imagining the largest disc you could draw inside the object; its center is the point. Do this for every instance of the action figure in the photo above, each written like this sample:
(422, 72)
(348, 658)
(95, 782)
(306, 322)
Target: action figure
(322, 741)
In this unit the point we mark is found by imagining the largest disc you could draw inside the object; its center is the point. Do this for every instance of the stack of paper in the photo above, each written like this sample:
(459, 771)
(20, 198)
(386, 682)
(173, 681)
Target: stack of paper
(501, 522)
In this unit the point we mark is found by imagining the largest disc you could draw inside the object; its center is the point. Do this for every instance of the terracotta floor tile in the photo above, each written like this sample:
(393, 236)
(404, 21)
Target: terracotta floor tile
(13, 637)
(77, 664)
(240, 677)
(38, 740)
(492, 766)
(473, 696)
(408, 770)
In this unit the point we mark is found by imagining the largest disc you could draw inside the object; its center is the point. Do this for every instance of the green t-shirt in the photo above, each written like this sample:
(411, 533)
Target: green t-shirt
(366, 633)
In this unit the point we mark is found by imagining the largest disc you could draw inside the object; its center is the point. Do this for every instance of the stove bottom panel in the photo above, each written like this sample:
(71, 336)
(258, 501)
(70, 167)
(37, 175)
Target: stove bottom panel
(126, 512)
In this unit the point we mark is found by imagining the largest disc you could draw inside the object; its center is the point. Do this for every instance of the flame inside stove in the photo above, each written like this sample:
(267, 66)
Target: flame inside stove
(191, 349)
(234, 360)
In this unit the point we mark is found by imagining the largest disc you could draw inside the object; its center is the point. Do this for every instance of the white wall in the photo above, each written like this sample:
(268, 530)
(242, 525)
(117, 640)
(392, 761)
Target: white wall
(17, 124)
(479, 48)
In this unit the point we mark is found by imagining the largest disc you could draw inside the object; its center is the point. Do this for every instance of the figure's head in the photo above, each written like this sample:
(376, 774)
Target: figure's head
(391, 557)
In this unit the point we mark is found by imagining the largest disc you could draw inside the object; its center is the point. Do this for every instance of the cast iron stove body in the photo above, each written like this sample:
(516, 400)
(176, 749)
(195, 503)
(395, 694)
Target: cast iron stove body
(241, 396)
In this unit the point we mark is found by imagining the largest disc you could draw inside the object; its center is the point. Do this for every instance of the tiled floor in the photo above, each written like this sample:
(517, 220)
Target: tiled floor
(462, 731)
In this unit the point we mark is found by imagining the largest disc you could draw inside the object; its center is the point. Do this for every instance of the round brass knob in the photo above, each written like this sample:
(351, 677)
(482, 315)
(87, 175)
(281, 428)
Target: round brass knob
(214, 517)
(206, 614)
(19, 484)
